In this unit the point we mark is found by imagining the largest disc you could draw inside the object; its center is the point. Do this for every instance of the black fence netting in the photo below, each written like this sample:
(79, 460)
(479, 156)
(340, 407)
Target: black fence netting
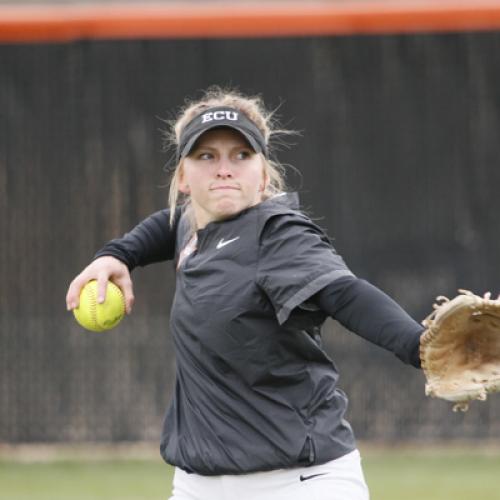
(398, 160)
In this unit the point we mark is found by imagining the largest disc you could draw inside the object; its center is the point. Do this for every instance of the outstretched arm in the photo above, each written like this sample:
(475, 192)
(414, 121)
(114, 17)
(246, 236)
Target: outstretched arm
(367, 311)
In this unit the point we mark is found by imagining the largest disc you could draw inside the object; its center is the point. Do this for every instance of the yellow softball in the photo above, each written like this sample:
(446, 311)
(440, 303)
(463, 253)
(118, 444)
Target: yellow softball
(100, 317)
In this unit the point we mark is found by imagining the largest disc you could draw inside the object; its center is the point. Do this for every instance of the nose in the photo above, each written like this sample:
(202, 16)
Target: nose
(224, 169)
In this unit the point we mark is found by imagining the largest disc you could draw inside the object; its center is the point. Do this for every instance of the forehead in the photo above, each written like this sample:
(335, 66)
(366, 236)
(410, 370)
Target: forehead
(221, 136)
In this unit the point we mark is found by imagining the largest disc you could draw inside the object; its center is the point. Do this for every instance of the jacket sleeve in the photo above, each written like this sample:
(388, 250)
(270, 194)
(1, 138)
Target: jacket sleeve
(152, 240)
(295, 261)
(370, 313)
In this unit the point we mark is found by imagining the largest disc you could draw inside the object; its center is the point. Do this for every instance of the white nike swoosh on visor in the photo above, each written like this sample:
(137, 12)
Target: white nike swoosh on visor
(223, 243)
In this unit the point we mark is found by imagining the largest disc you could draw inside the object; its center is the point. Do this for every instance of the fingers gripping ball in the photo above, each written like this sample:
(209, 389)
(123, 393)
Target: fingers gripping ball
(100, 317)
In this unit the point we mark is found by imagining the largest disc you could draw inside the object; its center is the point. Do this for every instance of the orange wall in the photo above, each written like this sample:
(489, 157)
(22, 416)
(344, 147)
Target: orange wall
(228, 19)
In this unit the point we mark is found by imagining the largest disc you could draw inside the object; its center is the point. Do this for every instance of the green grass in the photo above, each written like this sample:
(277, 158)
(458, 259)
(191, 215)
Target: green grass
(84, 480)
(433, 475)
(399, 474)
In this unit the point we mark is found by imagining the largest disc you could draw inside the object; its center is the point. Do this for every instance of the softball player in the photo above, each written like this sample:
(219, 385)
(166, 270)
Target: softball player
(256, 412)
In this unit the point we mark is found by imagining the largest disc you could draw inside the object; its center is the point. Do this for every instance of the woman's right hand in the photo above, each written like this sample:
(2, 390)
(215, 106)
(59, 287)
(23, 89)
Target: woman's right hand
(102, 269)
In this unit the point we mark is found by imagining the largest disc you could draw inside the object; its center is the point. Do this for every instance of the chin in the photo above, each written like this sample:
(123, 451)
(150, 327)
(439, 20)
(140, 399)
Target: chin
(228, 208)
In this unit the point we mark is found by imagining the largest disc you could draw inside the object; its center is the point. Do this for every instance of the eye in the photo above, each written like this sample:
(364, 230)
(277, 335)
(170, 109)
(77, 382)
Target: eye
(244, 154)
(204, 155)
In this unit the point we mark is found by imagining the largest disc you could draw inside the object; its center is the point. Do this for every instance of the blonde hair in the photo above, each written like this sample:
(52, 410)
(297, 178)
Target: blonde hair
(253, 107)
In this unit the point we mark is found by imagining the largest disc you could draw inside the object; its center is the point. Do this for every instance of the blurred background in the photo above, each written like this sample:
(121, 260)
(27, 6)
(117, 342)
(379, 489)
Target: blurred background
(397, 158)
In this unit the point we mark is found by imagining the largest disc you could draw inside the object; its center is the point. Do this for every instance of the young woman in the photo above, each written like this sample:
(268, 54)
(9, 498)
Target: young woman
(256, 412)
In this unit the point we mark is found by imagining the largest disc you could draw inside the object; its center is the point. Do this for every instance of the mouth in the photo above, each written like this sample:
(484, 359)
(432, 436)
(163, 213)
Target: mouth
(224, 187)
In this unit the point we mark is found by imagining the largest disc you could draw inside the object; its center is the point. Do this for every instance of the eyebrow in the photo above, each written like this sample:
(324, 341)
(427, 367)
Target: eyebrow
(242, 145)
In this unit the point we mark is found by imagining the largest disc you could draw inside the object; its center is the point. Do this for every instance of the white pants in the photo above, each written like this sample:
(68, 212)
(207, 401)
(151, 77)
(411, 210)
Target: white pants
(340, 479)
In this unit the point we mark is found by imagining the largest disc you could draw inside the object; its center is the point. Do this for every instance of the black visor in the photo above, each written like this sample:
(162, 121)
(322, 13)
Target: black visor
(220, 117)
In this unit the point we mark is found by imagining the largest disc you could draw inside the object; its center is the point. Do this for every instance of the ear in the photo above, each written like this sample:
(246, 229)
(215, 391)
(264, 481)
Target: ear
(183, 186)
(265, 181)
